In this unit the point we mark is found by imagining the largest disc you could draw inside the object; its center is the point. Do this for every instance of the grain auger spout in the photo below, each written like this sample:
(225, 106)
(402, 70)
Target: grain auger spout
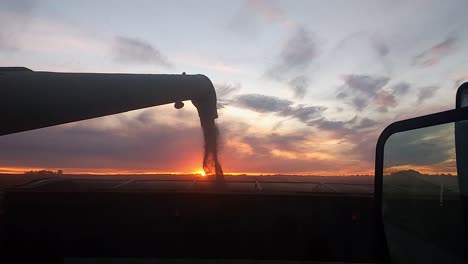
(32, 100)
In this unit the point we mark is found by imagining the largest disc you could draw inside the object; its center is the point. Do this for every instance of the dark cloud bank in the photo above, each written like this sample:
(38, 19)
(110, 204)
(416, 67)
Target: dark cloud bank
(282, 107)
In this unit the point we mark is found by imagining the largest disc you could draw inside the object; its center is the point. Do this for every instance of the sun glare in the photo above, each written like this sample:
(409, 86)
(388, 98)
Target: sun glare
(201, 173)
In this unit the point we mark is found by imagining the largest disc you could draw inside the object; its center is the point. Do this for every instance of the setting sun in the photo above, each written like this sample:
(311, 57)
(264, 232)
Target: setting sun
(201, 173)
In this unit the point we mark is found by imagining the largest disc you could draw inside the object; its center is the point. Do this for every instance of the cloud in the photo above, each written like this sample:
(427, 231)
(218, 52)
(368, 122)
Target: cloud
(263, 103)
(282, 107)
(426, 93)
(339, 129)
(341, 95)
(366, 123)
(436, 53)
(224, 90)
(360, 90)
(131, 50)
(296, 55)
(363, 146)
(359, 103)
(298, 151)
(358, 135)
(294, 141)
(388, 98)
(303, 112)
(366, 84)
(326, 124)
(384, 100)
(401, 88)
(265, 144)
(299, 86)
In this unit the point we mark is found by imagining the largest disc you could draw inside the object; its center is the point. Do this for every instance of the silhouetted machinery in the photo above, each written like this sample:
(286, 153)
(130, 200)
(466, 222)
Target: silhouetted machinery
(34, 100)
(66, 218)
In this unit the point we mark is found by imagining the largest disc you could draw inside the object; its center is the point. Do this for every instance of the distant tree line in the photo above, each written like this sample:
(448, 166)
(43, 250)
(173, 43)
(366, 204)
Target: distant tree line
(43, 172)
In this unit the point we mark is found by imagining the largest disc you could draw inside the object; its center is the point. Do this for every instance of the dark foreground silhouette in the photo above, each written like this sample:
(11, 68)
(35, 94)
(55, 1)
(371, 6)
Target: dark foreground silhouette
(53, 224)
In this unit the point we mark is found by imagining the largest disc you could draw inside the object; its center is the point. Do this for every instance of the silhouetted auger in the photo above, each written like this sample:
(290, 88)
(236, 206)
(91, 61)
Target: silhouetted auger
(32, 100)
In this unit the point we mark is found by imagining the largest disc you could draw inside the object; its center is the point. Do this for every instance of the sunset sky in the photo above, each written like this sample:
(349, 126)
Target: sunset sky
(304, 87)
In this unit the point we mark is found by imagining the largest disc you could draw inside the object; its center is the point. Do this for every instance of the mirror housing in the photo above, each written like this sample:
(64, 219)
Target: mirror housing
(462, 96)
(461, 148)
(457, 115)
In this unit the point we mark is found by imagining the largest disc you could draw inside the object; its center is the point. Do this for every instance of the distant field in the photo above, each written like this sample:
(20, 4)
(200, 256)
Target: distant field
(10, 180)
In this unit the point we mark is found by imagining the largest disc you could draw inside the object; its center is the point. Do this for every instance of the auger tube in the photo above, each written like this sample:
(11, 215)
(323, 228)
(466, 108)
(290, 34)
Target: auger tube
(31, 100)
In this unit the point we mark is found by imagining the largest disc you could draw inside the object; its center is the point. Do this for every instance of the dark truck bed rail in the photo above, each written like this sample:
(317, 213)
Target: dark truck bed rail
(56, 218)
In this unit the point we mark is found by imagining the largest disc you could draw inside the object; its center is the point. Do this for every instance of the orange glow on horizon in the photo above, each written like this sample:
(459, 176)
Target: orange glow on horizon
(200, 172)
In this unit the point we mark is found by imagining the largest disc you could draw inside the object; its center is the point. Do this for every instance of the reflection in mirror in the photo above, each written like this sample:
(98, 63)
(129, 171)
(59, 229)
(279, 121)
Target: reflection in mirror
(422, 211)
(464, 98)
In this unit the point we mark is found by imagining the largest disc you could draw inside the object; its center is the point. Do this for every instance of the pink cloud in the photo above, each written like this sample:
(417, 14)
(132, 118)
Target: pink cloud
(436, 53)
(385, 99)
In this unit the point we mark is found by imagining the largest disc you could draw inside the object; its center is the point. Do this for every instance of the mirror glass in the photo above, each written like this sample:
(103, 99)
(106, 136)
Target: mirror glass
(464, 98)
(422, 205)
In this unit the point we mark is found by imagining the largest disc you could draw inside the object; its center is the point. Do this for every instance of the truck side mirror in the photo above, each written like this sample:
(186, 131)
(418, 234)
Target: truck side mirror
(422, 206)
(421, 187)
